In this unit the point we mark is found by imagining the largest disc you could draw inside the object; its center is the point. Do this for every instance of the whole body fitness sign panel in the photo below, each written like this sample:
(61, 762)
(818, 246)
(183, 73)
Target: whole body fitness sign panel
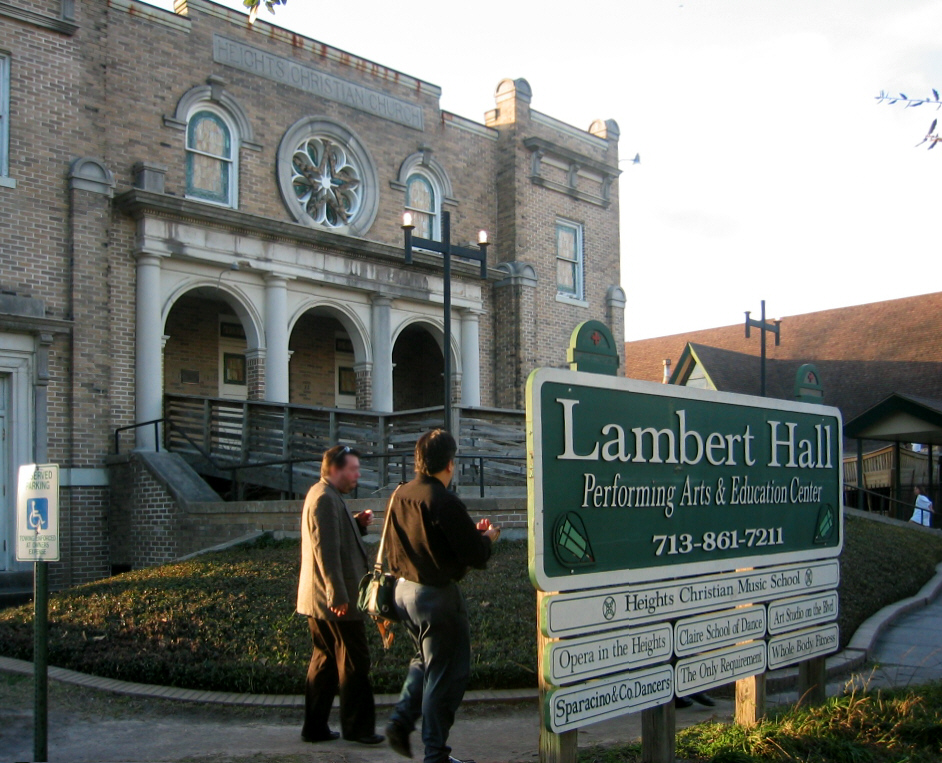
(635, 481)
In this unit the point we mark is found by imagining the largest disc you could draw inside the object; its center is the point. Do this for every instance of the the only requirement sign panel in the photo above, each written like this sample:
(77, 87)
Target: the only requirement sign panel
(635, 481)
(37, 513)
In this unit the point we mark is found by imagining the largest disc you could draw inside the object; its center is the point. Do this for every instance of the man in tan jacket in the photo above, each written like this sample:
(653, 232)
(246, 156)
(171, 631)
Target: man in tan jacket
(333, 560)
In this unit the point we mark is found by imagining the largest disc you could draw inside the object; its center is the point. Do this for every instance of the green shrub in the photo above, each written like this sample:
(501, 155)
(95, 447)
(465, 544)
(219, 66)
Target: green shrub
(226, 621)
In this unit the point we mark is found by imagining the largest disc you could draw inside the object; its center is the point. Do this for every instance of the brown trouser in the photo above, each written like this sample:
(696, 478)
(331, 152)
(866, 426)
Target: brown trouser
(340, 659)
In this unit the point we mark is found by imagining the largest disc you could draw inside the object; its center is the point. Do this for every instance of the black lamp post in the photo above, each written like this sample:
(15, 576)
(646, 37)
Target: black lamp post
(447, 250)
(763, 326)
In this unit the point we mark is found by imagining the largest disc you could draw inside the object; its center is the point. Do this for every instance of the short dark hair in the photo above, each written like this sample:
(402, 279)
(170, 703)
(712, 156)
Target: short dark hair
(337, 456)
(434, 451)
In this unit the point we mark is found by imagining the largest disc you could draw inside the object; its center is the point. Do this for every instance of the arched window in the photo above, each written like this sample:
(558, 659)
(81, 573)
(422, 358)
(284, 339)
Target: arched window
(211, 158)
(424, 204)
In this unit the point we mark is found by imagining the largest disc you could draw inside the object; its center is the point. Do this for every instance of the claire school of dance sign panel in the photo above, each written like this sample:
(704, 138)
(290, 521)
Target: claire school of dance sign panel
(685, 538)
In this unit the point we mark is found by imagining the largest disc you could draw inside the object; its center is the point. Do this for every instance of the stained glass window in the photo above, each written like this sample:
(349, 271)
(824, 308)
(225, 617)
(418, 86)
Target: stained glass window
(209, 155)
(326, 182)
(420, 201)
(569, 259)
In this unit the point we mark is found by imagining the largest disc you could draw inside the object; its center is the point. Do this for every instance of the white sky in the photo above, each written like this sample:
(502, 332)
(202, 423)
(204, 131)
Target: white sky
(768, 170)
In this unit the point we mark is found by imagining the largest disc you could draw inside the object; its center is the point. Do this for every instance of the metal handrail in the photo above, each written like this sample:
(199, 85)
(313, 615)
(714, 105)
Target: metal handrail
(853, 488)
(403, 454)
(156, 424)
(290, 462)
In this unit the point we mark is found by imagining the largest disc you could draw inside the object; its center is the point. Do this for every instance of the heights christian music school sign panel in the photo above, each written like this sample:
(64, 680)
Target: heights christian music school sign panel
(637, 481)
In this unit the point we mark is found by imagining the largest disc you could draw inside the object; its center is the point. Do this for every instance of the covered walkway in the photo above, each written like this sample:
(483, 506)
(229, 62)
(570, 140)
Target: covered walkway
(904, 421)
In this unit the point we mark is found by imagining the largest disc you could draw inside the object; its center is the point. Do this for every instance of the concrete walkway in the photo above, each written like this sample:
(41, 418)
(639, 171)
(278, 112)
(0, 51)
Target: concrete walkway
(95, 719)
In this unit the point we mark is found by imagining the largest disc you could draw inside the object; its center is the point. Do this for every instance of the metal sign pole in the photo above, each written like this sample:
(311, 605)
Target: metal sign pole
(37, 541)
(40, 661)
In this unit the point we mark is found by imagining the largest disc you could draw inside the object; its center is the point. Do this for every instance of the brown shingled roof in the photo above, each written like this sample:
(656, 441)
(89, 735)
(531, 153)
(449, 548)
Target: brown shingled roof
(864, 353)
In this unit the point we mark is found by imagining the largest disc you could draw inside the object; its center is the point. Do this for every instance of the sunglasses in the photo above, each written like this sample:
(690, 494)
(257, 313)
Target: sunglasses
(340, 453)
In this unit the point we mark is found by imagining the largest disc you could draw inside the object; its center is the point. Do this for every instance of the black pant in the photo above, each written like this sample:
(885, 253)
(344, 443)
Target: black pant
(341, 658)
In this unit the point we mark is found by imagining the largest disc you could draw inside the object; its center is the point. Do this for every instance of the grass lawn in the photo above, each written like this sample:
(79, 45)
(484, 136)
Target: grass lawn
(902, 726)
(226, 620)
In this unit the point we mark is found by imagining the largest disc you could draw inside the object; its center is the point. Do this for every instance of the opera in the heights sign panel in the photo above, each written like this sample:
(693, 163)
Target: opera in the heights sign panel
(679, 529)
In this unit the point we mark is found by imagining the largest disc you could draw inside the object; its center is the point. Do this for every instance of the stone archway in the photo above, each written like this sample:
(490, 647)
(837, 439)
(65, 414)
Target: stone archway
(211, 346)
(329, 363)
(418, 381)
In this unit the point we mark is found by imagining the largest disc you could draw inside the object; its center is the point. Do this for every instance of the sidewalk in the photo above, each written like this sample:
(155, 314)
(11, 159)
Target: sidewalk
(89, 722)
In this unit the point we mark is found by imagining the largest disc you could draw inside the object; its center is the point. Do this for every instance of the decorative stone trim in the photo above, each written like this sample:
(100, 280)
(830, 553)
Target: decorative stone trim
(147, 12)
(312, 127)
(468, 125)
(63, 25)
(615, 298)
(423, 159)
(140, 204)
(214, 92)
(516, 274)
(607, 129)
(149, 176)
(266, 31)
(541, 148)
(87, 174)
(568, 129)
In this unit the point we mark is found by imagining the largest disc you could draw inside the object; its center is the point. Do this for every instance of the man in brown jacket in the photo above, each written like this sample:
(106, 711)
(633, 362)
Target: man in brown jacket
(333, 560)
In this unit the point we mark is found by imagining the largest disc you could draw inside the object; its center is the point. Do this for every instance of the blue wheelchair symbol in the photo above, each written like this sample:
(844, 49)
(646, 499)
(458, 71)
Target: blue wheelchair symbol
(37, 513)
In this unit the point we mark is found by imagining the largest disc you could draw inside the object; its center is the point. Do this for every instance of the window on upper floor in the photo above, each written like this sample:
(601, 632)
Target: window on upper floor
(4, 118)
(569, 260)
(211, 158)
(424, 202)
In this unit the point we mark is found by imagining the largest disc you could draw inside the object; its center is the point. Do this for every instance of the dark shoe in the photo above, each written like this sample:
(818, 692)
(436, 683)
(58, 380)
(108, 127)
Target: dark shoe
(330, 736)
(370, 739)
(398, 739)
(681, 702)
(703, 698)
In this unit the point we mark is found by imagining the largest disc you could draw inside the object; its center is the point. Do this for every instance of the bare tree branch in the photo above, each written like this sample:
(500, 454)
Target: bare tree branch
(932, 136)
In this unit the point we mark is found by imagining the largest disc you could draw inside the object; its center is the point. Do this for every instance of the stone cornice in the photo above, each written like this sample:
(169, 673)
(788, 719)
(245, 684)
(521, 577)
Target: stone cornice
(27, 16)
(33, 325)
(574, 157)
(138, 203)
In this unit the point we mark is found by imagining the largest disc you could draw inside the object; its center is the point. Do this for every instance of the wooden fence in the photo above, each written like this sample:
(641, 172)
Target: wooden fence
(239, 440)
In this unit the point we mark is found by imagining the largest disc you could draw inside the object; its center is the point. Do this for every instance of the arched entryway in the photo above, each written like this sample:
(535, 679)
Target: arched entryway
(208, 346)
(418, 379)
(322, 370)
(328, 360)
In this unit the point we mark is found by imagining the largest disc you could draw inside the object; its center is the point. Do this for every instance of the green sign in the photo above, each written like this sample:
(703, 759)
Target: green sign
(632, 481)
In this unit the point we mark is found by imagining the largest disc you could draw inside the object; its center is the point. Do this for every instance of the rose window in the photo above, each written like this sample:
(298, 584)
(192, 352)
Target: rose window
(326, 183)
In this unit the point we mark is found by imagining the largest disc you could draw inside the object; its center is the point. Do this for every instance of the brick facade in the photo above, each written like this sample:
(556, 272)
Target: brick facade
(97, 185)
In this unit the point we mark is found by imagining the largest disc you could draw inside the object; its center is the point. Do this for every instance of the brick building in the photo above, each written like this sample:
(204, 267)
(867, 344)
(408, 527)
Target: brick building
(198, 207)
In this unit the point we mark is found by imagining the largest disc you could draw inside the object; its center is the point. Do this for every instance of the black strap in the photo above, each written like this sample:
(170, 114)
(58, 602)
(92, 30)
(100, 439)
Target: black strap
(378, 567)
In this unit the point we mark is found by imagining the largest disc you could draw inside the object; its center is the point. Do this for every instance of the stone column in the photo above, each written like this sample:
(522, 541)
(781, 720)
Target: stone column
(470, 359)
(276, 339)
(382, 371)
(148, 361)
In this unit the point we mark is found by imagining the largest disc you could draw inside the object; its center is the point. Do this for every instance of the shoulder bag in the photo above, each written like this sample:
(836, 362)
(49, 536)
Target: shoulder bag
(376, 595)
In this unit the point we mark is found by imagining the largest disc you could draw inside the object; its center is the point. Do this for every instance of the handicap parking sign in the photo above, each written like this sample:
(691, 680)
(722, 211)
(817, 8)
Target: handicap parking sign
(37, 513)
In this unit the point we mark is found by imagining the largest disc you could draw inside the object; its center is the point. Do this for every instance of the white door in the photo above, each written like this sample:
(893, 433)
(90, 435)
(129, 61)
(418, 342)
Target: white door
(6, 492)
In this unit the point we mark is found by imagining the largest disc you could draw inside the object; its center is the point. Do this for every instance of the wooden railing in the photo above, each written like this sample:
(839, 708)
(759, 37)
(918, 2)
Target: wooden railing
(217, 434)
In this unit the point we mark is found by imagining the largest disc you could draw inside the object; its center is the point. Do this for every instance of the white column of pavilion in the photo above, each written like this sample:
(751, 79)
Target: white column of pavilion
(148, 362)
(470, 359)
(276, 338)
(382, 373)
